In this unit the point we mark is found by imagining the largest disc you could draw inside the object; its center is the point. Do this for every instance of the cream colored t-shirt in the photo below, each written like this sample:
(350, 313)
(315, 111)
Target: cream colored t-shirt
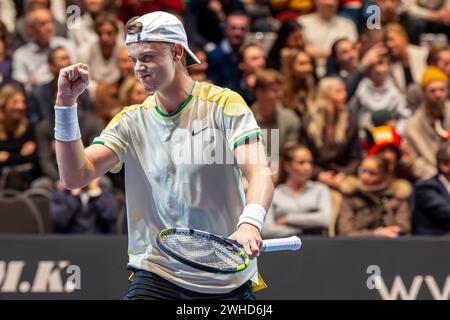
(175, 177)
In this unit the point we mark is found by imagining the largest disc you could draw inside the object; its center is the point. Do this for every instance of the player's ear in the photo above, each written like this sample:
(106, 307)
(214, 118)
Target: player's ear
(177, 51)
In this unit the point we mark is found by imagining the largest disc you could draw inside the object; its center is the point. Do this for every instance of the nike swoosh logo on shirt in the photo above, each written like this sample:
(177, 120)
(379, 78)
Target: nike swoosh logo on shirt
(194, 133)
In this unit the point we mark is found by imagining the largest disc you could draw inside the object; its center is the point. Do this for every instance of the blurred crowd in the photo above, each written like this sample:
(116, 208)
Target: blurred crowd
(356, 89)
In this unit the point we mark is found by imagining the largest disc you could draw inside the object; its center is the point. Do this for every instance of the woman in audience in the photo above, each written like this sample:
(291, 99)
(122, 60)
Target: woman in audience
(131, 92)
(289, 37)
(299, 205)
(300, 82)
(331, 134)
(374, 204)
(377, 92)
(18, 154)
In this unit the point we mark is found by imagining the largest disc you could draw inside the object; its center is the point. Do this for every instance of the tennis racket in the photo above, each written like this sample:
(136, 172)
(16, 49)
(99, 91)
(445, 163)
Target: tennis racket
(212, 253)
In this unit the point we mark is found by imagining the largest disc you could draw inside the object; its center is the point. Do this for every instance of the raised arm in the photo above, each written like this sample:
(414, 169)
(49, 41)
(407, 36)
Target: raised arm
(77, 166)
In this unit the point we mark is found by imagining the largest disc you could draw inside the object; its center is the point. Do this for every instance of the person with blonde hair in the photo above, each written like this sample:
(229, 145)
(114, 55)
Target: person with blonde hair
(374, 204)
(18, 154)
(131, 92)
(332, 134)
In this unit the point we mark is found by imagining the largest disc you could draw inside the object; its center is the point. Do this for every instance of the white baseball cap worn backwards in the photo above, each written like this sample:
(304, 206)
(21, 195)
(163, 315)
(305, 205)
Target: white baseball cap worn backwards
(162, 27)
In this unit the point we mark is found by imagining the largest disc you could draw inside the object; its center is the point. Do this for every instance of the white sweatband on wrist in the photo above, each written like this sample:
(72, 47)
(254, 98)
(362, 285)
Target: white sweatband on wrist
(66, 124)
(254, 214)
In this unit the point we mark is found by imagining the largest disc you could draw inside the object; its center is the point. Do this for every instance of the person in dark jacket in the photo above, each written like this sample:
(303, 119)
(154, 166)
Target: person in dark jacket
(432, 199)
(224, 59)
(374, 204)
(88, 210)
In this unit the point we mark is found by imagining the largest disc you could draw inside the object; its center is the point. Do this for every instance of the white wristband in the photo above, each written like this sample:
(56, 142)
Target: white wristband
(66, 124)
(254, 214)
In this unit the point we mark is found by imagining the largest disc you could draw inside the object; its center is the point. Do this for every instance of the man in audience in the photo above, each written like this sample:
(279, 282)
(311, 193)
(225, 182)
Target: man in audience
(30, 65)
(344, 62)
(223, 60)
(252, 60)
(407, 61)
(84, 33)
(272, 116)
(432, 199)
(422, 136)
(43, 97)
(206, 18)
(21, 32)
(438, 57)
(102, 55)
(323, 27)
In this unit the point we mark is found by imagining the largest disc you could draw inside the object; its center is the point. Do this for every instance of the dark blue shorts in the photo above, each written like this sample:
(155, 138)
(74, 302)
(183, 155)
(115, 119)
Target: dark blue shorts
(149, 286)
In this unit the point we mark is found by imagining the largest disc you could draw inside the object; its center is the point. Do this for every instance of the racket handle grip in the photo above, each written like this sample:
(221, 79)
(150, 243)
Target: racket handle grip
(291, 243)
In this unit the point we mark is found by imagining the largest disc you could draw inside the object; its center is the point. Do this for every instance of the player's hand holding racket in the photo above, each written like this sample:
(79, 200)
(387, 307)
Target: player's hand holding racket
(249, 237)
(212, 253)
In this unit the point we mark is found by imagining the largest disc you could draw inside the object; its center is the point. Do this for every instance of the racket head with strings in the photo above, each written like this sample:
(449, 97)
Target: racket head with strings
(202, 250)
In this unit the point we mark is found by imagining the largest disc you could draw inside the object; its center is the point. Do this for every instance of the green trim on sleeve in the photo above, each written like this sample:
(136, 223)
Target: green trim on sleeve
(248, 136)
(99, 142)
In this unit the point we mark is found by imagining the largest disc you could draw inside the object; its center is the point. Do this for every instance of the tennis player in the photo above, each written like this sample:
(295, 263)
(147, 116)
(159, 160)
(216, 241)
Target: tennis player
(167, 182)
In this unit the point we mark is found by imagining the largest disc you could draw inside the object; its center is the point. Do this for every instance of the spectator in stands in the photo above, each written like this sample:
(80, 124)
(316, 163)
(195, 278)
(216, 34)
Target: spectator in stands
(102, 56)
(30, 65)
(131, 92)
(434, 16)
(422, 137)
(18, 153)
(438, 57)
(89, 210)
(299, 205)
(299, 82)
(407, 61)
(199, 71)
(373, 203)
(432, 199)
(289, 36)
(270, 113)
(21, 32)
(252, 61)
(131, 8)
(344, 63)
(207, 18)
(332, 134)
(43, 97)
(124, 64)
(384, 141)
(323, 27)
(84, 32)
(377, 92)
(223, 60)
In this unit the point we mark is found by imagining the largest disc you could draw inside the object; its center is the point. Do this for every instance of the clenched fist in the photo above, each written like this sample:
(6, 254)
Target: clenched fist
(72, 81)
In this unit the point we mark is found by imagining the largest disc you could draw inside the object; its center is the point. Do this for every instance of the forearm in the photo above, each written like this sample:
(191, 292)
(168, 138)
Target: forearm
(260, 190)
(74, 169)
(308, 219)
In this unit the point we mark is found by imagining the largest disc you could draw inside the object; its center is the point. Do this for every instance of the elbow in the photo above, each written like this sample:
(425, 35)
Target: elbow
(71, 183)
